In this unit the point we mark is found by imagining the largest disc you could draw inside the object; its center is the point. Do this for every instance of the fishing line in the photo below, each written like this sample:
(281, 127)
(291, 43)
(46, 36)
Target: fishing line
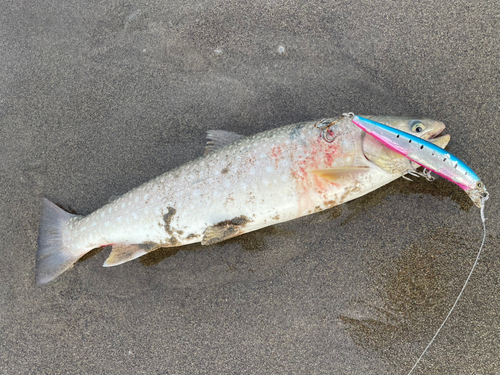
(483, 219)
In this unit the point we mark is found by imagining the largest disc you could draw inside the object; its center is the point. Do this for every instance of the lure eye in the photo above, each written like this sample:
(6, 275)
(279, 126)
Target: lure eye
(417, 127)
(479, 185)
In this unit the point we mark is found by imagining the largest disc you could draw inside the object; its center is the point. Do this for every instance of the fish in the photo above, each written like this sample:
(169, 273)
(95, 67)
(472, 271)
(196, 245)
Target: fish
(427, 155)
(240, 185)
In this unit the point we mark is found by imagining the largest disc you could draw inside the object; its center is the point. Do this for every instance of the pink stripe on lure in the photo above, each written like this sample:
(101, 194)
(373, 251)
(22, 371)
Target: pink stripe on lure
(427, 155)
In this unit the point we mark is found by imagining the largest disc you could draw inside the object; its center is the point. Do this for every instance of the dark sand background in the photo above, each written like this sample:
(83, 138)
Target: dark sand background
(99, 97)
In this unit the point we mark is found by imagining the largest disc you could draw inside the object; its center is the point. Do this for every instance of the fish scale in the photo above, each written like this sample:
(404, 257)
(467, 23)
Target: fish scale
(240, 185)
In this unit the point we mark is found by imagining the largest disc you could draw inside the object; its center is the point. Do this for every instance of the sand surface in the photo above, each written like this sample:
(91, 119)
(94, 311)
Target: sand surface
(99, 97)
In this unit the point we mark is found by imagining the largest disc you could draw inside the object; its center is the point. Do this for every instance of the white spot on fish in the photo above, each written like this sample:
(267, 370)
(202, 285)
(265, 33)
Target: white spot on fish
(269, 169)
(102, 214)
(134, 215)
(119, 219)
(123, 205)
(106, 224)
(265, 182)
(146, 210)
(136, 199)
(110, 209)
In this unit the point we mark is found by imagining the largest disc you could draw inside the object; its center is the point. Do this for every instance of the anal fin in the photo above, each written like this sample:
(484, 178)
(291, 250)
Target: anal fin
(124, 253)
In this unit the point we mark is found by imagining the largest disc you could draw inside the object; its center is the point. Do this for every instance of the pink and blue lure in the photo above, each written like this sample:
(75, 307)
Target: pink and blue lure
(428, 155)
(439, 161)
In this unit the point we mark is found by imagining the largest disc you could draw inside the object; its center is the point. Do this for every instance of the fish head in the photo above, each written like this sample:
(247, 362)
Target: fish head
(389, 160)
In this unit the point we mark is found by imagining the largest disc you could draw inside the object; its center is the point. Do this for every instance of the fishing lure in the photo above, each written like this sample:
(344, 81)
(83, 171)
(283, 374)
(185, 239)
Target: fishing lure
(426, 154)
(439, 161)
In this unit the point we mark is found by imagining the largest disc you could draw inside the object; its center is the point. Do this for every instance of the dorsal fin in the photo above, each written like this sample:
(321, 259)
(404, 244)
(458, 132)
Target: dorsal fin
(220, 138)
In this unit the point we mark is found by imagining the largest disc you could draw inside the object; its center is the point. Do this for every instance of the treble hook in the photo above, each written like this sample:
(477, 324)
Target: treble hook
(425, 173)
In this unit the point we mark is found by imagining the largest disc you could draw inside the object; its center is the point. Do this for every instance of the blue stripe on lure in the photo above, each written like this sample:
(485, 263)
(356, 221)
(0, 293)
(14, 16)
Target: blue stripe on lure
(427, 155)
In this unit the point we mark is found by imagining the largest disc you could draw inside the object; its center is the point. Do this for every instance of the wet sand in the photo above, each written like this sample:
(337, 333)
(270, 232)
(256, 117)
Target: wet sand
(96, 99)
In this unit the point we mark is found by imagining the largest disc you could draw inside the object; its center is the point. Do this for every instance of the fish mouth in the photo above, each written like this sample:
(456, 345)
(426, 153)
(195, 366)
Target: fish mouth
(441, 141)
(435, 137)
(432, 135)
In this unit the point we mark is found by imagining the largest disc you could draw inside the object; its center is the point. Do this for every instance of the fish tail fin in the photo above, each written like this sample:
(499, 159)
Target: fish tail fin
(53, 257)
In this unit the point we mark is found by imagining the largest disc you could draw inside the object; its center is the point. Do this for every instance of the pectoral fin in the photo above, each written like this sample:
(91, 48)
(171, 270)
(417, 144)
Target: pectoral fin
(124, 253)
(339, 174)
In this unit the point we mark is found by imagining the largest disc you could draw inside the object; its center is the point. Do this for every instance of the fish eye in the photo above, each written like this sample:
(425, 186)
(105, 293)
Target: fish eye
(417, 127)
